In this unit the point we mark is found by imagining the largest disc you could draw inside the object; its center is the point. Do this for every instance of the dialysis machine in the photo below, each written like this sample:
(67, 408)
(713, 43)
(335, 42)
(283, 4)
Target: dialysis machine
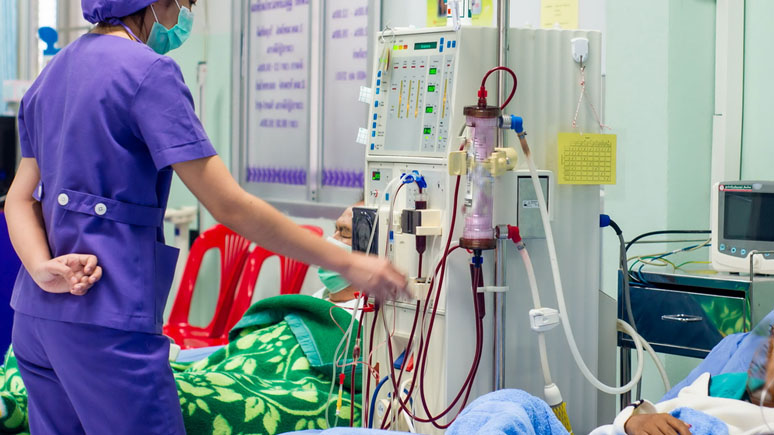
(433, 144)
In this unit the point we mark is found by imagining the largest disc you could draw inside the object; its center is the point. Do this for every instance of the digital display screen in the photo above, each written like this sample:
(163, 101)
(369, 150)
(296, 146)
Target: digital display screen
(748, 216)
(425, 46)
(428, 130)
(431, 88)
(376, 176)
(429, 109)
(433, 71)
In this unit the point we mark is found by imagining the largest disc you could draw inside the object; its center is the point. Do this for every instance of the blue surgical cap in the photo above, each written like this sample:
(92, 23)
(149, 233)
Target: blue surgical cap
(95, 11)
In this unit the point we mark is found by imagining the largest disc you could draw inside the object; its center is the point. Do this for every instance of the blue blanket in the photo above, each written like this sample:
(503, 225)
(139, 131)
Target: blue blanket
(701, 423)
(504, 412)
(507, 412)
(732, 355)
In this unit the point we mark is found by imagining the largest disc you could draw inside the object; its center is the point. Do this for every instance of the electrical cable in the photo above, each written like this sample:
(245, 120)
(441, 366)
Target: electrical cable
(655, 233)
(652, 259)
(622, 263)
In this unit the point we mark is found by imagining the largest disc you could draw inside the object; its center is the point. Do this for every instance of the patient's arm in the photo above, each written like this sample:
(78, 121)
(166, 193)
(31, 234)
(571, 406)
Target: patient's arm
(656, 424)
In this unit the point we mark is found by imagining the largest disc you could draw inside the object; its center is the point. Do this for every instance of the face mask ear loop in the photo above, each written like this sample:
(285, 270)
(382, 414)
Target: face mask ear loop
(178, 5)
(154, 13)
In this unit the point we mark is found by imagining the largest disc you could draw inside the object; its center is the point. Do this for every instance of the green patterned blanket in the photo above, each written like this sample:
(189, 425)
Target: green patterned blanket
(273, 377)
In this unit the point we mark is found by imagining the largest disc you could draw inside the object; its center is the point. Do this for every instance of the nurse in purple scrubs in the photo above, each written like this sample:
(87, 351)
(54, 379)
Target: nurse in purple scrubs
(101, 130)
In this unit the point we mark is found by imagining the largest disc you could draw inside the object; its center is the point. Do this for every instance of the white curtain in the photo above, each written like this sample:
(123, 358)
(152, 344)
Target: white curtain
(8, 44)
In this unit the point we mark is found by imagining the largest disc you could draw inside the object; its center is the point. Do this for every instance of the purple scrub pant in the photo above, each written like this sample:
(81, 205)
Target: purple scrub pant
(95, 380)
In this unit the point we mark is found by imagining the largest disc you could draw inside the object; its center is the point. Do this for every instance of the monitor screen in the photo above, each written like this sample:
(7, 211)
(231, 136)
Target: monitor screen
(7, 154)
(749, 216)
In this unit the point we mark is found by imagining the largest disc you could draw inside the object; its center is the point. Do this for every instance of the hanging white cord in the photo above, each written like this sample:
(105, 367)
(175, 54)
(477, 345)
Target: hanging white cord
(565, 321)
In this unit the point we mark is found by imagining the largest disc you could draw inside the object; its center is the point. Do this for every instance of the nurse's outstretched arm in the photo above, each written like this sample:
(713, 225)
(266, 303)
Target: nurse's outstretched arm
(212, 183)
(72, 273)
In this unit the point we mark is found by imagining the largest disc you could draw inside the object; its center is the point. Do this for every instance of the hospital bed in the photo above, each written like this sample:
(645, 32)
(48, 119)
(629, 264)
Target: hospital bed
(510, 411)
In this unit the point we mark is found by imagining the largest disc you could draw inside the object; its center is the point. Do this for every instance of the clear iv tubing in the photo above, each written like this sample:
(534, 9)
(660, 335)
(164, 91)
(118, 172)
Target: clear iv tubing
(346, 338)
(348, 335)
(392, 207)
(565, 321)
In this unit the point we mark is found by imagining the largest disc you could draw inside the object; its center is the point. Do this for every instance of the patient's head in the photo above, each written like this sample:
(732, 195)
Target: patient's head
(342, 234)
(343, 224)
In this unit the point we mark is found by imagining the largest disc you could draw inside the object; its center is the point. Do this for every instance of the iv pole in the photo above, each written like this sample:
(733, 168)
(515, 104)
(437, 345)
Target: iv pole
(503, 23)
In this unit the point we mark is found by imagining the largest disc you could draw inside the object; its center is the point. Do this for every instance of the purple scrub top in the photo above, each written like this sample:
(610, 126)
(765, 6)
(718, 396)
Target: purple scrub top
(105, 120)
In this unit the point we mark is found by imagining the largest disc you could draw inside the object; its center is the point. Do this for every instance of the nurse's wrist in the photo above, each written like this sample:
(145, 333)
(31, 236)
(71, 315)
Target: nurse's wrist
(36, 266)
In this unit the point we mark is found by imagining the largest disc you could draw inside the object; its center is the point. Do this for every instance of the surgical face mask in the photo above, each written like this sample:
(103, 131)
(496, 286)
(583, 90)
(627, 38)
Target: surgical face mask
(163, 40)
(333, 281)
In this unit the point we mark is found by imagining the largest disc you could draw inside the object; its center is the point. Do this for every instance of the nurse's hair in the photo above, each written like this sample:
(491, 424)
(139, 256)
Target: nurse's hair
(138, 18)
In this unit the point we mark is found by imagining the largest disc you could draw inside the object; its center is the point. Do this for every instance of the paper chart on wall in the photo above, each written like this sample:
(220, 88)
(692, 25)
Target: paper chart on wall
(278, 98)
(346, 66)
(563, 13)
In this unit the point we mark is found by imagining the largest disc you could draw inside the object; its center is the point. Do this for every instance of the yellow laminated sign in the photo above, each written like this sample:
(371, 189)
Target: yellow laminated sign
(587, 158)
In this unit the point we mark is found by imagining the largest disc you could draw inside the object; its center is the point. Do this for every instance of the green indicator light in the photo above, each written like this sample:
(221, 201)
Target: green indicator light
(433, 71)
(431, 88)
(429, 109)
(425, 46)
(376, 176)
(396, 47)
(428, 130)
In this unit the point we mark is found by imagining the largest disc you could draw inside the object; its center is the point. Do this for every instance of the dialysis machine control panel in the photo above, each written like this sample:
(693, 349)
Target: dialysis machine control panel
(416, 87)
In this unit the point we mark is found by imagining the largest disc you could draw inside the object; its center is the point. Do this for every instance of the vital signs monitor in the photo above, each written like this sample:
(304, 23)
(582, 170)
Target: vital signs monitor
(742, 218)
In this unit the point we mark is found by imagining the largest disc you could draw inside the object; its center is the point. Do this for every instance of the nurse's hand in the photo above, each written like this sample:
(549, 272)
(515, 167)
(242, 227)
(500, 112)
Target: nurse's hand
(72, 273)
(375, 276)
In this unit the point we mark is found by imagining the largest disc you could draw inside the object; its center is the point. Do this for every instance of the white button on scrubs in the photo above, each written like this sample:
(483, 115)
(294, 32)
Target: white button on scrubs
(63, 199)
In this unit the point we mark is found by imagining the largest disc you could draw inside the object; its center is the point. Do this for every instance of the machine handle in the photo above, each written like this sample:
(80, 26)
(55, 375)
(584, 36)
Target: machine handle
(685, 318)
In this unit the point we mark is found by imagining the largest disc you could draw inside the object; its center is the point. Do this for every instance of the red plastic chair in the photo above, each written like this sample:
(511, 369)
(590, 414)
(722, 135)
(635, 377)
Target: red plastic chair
(292, 275)
(233, 254)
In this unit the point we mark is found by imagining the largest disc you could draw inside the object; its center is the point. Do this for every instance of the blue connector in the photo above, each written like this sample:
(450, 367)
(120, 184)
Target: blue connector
(512, 122)
(604, 221)
(414, 177)
(399, 361)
